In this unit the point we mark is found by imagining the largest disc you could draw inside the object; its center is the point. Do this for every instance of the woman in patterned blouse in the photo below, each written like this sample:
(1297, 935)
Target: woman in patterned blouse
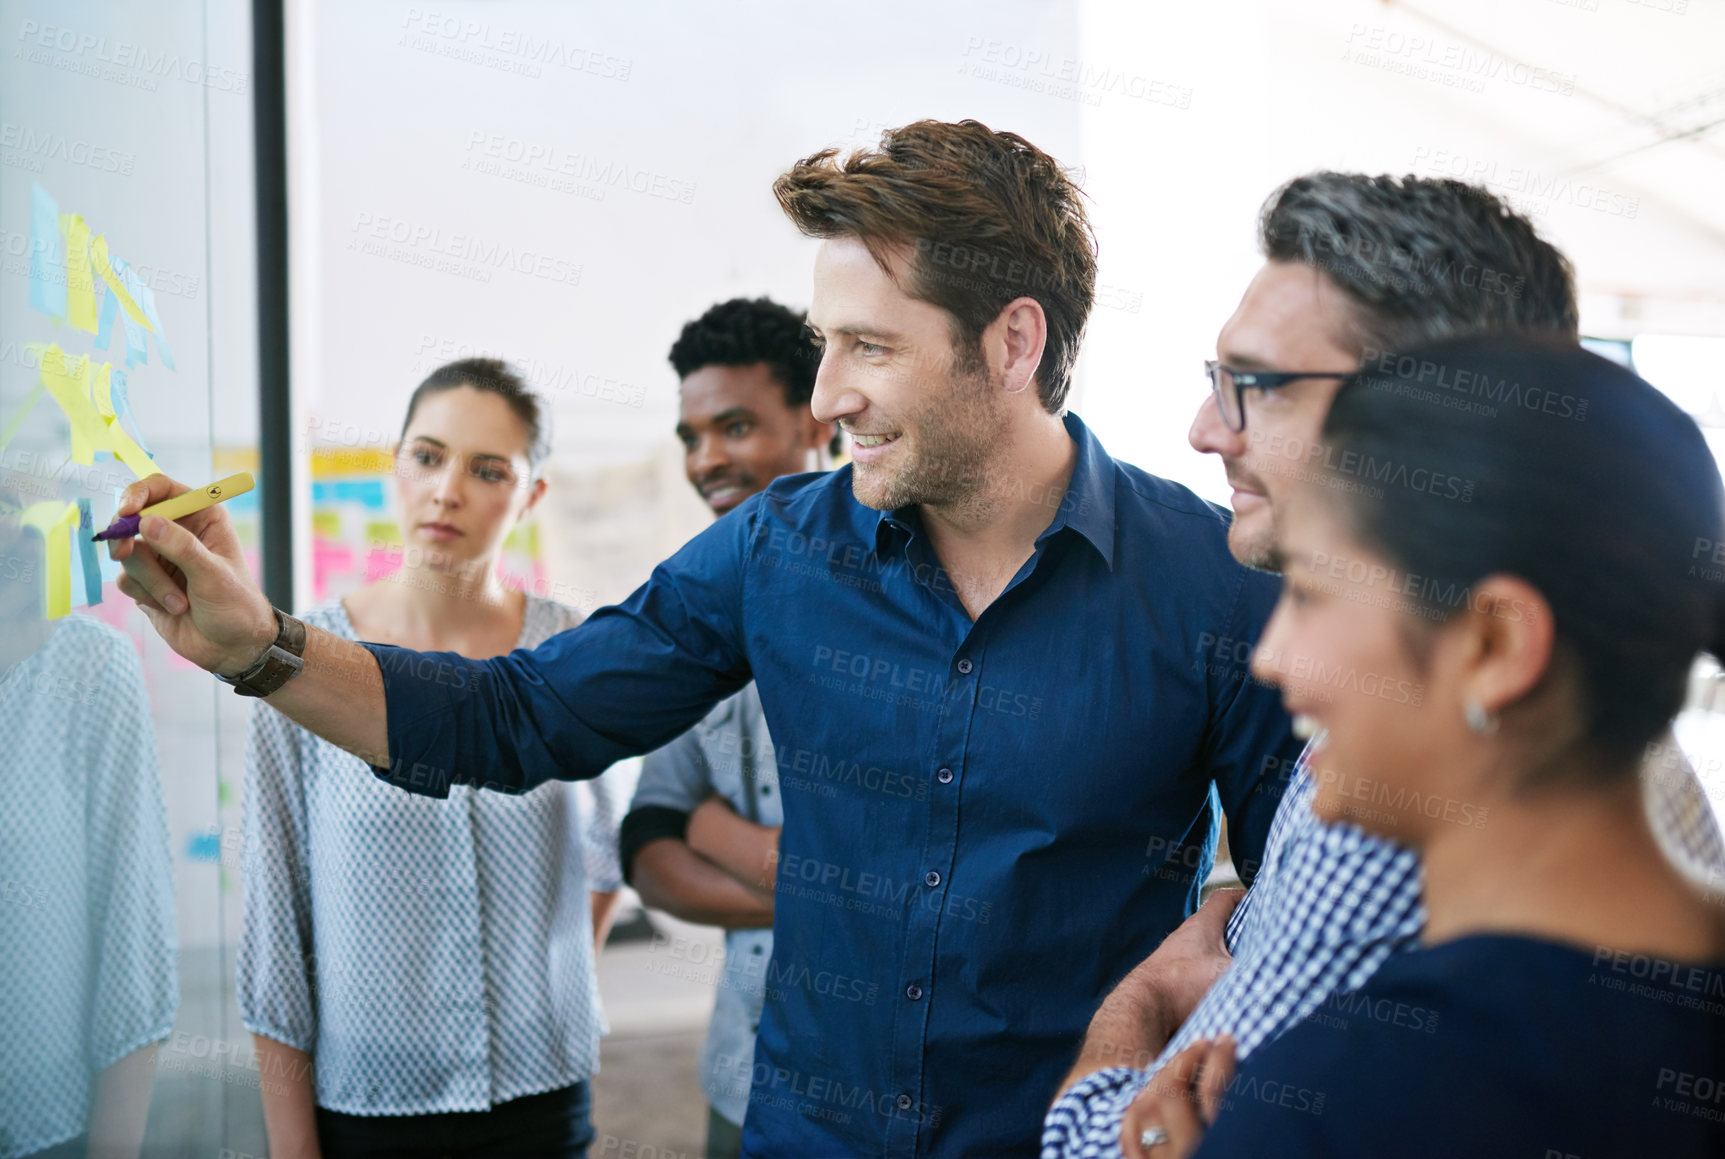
(419, 974)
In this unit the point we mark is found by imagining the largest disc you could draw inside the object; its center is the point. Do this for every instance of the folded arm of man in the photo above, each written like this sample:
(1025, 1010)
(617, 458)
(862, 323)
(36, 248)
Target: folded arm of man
(659, 856)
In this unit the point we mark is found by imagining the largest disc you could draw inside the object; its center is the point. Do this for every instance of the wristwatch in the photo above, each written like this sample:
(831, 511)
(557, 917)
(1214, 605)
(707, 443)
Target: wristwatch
(280, 663)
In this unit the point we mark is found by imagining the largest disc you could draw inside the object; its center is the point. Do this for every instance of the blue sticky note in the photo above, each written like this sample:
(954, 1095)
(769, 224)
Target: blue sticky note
(135, 351)
(146, 299)
(205, 845)
(105, 324)
(84, 560)
(367, 493)
(47, 255)
(123, 408)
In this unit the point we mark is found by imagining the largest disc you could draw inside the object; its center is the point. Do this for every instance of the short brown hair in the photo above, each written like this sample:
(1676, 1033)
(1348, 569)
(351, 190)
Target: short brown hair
(989, 218)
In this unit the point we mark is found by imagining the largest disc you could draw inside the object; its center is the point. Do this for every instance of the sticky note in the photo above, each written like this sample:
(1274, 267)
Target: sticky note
(100, 389)
(147, 299)
(47, 255)
(80, 282)
(123, 408)
(100, 395)
(70, 384)
(135, 351)
(99, 262)
(105, 323)
(128, 451)
(85, 559)
(54, 523)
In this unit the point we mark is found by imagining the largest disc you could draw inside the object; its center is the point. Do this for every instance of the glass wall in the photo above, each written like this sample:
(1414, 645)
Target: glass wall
(126, 346)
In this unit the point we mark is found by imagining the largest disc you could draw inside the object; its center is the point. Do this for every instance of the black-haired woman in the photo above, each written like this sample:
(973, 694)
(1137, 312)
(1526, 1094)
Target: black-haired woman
(1568, 998)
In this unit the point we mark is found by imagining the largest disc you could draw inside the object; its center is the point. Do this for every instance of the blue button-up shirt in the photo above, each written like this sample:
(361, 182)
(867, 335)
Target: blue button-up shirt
(986, 823)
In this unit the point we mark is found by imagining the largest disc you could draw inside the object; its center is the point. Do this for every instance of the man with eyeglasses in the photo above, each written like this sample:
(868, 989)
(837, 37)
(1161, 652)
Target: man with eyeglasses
(1356, 268)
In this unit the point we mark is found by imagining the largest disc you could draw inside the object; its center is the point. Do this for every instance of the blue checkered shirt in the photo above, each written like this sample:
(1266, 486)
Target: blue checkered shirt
(1329, 905)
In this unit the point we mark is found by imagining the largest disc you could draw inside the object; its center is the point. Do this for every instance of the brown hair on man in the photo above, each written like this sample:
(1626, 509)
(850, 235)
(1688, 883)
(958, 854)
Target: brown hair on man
(986, 216)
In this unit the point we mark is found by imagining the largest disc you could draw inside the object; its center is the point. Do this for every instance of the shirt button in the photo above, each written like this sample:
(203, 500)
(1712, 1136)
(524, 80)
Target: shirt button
(904, 1102)
(757, 949)
(933, 879)
(766, 790)
(913, 992)
(944, 776)
(964, 667)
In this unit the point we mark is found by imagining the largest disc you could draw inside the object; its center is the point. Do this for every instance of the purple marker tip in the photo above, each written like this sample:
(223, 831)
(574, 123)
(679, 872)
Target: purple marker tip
(124, 527)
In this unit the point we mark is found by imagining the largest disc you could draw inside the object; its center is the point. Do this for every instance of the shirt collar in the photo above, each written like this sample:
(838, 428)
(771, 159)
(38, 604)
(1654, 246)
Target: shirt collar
(1087, 507)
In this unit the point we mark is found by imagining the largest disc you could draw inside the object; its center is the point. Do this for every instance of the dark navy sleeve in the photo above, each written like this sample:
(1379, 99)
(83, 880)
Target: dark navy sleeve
(1488, 1045)
(1254, 748)
(627, 680)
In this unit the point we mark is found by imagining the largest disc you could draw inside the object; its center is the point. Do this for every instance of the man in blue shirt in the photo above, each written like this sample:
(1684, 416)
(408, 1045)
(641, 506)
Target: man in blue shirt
(1007, 654)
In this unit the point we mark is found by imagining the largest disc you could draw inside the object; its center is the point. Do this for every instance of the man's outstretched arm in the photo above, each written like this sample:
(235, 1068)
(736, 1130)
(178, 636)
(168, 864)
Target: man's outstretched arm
(1142, 1013)
(627, 680)
(190, 578)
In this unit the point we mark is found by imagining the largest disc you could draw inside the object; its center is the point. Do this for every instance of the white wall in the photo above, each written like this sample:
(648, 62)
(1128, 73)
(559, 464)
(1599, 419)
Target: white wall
(1183, 119)
(701, 106)
(1281, 89)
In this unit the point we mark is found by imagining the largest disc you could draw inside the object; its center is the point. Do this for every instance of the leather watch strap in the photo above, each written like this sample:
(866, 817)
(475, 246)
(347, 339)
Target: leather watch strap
(280, 663)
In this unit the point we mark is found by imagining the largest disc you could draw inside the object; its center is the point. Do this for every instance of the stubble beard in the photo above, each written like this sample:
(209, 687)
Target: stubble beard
(951, 443)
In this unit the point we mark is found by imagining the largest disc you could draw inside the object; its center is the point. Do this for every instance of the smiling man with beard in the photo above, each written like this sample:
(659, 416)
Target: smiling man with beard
(991, 656)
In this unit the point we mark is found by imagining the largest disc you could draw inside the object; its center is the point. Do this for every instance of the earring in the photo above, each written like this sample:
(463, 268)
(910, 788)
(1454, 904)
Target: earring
(1478, 719)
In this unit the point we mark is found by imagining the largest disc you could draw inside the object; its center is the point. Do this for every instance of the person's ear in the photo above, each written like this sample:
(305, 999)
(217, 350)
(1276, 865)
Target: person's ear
(1508, 641)
(535, 492)
(1018, 335)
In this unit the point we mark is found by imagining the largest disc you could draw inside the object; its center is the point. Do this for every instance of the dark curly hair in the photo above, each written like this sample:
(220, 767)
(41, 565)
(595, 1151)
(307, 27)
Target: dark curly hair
(744, 331)
(1421, 259)
(987, 217)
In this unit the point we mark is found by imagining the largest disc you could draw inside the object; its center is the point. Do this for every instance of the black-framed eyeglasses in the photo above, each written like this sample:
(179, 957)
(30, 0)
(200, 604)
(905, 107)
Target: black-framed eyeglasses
(1230, 386)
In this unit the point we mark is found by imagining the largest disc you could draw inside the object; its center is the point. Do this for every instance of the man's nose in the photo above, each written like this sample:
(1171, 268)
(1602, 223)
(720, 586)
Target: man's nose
(708, 455)
(834, 398)
(1209, 435)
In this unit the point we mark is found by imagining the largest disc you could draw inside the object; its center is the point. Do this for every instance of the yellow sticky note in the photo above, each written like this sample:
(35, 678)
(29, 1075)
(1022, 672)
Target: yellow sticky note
(124, 447)
(99, 259)
(130, 453)
(102, 391)
(54, 524)
(80, 282)
(75, 380)
(92, 430)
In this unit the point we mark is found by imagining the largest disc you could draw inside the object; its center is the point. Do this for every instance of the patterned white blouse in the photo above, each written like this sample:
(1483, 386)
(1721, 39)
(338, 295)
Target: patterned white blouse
(429, 955)
(87, 943)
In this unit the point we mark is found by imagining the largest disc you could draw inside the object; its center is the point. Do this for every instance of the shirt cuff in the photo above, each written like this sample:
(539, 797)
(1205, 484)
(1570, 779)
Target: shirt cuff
(646, 824)
(1085, 1121)
(421, 692)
